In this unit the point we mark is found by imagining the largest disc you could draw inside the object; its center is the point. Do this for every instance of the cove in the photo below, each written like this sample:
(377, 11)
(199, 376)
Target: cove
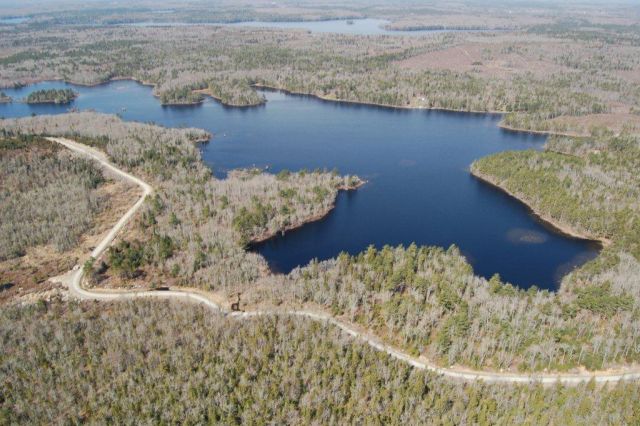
(415, 161)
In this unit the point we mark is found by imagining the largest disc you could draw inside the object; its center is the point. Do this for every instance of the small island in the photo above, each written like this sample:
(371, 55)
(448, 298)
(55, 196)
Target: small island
(51, 96)
(4, 98)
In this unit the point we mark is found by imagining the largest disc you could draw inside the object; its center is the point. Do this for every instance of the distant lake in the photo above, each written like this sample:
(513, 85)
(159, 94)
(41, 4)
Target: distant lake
(13, 20)
(367, 26)
(416, 162)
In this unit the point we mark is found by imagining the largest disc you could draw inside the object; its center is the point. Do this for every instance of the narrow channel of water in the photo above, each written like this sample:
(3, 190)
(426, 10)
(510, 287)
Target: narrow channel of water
(416, 162)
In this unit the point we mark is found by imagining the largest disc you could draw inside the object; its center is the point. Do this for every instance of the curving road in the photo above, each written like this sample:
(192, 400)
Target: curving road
(73, 279)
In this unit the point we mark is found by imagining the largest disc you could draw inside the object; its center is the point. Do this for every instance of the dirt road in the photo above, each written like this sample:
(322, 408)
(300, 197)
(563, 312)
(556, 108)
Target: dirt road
(73, 279)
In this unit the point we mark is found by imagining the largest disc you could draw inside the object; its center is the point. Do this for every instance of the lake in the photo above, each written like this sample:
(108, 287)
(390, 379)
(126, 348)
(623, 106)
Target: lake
(367, 26)
(415, 161)
(13, 20)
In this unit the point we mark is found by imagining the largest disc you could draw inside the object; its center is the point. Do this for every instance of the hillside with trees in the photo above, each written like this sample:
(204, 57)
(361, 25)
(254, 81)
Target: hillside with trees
(587, 186)
(54, 204)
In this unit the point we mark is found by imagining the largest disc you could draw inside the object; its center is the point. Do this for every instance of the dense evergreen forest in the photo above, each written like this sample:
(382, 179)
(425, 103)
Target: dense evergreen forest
(588, 184)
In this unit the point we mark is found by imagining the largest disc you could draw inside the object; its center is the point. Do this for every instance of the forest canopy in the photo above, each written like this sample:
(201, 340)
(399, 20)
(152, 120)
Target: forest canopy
(190, 365)
(51, 96)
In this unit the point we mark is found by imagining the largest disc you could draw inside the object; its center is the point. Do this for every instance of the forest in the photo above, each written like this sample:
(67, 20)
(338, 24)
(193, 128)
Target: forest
(427, 300)
(51, 96)
(588, 184)
(66, 361)
(47, 195)
(158, 362)
(237, 92)
(208, 221)
(192, 12)
(537, 77)
(185, 95)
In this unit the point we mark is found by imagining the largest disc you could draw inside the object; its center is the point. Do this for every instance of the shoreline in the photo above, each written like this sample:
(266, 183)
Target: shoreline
(417, 28)
(179, 104)
(561, 228)
(500, 125)
(207, 92)
(541, 132)
(374, 104)
(114, 79)
(266, 236)
(203, 139)
(319, 97)
(74, 281)
(50, 102)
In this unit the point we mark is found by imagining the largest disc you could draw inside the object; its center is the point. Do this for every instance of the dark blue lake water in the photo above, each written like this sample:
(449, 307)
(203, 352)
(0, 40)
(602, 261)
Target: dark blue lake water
(416, 162)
